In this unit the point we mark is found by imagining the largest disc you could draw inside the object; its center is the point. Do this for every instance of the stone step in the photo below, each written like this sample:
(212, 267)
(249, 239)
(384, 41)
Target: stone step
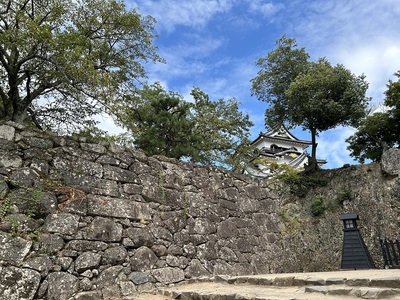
(373, 284)
(390, 282)
(221, 291)
(360, 292)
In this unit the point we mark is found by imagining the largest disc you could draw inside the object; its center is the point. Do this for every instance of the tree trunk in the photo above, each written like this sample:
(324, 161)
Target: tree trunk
(312, 164)
(314, 145)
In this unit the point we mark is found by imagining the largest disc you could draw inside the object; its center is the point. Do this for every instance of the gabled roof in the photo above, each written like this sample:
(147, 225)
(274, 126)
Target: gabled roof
(281, 134)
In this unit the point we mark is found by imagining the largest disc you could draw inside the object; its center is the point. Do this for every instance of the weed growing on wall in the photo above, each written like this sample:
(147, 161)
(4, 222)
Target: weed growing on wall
(162, 189)
(300, 185)
(317, 206)
(343, 196)
(185, 212)
(5, 208)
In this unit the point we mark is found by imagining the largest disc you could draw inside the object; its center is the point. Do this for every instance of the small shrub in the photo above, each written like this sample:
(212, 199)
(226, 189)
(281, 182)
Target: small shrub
(343, 196)
(301, 185)
(317, 206)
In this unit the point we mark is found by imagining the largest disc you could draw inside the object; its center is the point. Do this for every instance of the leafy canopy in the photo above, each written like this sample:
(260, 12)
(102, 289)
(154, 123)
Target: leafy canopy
(224, 131)
(205, 132)
(379, 130)
(325, 97)
(161, 123)
(62, 61)
(277, 71)
(314, 95)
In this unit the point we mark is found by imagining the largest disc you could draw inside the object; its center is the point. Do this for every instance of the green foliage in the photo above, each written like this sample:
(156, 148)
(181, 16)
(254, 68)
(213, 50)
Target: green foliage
(317, 206)
(34, 202)
(64, 60)
(292, 223)
(161, 124)
(343, 196)
(161, 185)
(94, 134)
(286, 172)
(204, 132)
(223, 130)
(300, 185)
(277, 71)
(314, 95)
(5, 208)
(368, 141)
(336, 203)
(380, 130)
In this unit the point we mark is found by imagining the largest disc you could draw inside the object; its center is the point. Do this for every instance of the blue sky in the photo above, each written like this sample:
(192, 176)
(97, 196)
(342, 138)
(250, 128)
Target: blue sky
(214, 44)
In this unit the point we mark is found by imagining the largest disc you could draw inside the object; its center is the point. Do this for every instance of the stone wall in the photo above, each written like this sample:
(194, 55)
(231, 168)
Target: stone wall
(95, 220)
(372, 191)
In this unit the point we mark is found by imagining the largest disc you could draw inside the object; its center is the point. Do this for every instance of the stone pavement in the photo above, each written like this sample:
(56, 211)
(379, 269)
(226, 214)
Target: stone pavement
(354, 284)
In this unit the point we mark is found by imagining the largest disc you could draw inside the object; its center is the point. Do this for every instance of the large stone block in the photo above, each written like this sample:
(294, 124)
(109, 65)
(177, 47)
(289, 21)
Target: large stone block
(83, 245)
(109, 276)
(87, 261)
(143, 259)
(140, 236)
(204, 226)
(61, 286)
(249, 205)
(62, 223)
(8, 160)
(7, 132)
(120, 175)
(196, 269)
(118, 207)
(168, 275)
(13, 249)
(106, 230)
(39, 143)
(51, 243)
(97, 148)
(391, 161)
(18, 284)
(41, 263)
(138, 277)
(227, 229)
(114, 256)
(79, 166)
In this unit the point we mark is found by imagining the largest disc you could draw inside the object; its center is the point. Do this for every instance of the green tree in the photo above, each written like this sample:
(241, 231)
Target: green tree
(224, 132)
(313, 95)
(324, 97)
(204, 132)
(277, 71)
(380, 130)
(161, 123)
(372, 136)
(392, 101)
(62, 61)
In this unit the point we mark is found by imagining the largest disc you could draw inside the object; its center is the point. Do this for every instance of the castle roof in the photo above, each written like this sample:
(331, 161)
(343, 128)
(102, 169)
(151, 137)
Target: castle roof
(281, 134)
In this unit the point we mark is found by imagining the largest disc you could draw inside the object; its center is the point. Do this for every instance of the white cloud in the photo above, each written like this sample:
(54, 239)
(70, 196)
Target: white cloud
(332, 147)
(187, 58)
(362, 35)
(266, 8)
(377, 61)
(172, 13)
(107, 124)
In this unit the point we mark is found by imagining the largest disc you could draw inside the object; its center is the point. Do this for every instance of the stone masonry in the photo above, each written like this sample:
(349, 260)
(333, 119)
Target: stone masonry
(82, 220)
(95, 220)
